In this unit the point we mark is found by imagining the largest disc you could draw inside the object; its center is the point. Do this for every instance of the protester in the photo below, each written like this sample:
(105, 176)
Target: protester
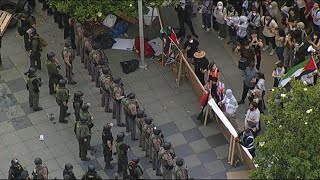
(278, 73)
(230, 104)
(252, 119)
(200, 65)
(269, 26)
(280, 39)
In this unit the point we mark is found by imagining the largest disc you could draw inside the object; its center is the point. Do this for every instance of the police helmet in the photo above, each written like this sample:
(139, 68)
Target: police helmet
(105, 70)
(83, 119)
(15, 162)
(131, 96)
(179, 162)
(68, 167)
(120, 135)
(91, 168)
(167, 145)
(101, 62)
(67, 44)
(62, 83)
(50, 55)
(157, 131)
(37, 161)
(136, 160)
(31, 71)
(78, 94)
(85, 107)
(95, 45)
(148, 120)
(117, 80)
(140, 113)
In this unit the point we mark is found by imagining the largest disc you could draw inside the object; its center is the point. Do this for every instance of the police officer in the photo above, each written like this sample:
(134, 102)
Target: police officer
(68, 57)
(82, 133)
(53, 71)
(35, 48)
(246, 139)
(33, 85)
(41, 171)
(101, 64)
(91, 174)
(15, 169)
(105, 81)
(77, 104)
(78, 29)
(157, 143)
(86, 48)
(107, 142)
(131, 110)
(68, 170)
(27, 21)
(62, 100)
(147, 125)
(24, 175)
(140, 123)
(85, 113)
(180, 172)
(122, 150)
(117, 93)
(135, 168)
(95, 56)
(167, 156)
(148, 131)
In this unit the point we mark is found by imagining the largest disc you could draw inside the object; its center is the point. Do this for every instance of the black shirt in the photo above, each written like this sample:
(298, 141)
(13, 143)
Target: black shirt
(194, 46)
(200, 64)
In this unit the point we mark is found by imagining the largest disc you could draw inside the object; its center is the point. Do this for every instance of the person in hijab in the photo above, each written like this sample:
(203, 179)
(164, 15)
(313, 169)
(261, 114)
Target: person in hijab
(200, 65)
(220, 13)
(230, 104)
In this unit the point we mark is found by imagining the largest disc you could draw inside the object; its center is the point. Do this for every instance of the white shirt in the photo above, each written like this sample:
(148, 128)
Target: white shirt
(252, 116)
(316, 16)
(261, 85)
(300, 3)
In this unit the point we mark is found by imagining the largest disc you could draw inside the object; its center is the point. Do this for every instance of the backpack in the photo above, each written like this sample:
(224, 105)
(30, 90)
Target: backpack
(167, 159)
(117, 92)
(149, 131)
(148, 50)
(132, 108)
(119, 29)
(110, 20)
(105, 82)
(129, 66)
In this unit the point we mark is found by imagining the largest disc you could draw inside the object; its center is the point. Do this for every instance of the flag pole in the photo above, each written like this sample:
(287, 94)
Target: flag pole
(142, 63)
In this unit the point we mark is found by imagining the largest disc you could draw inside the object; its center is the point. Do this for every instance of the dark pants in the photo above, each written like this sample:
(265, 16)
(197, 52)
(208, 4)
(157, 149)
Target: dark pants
(222, 30)
(206, 20)
(252, 152)
(182, 30)
(26, 41)
(280, 51)
(242, 40)
(107, 156)
(132, 126)
(270, 40)
(105, 100)
(34, 100)
(35, 60)
(63, 111)
(258, 55)
(116, 113)
(155, 161)
(58, 18)
(83, 148)
(245, 91)
(200, 76)
(126, 118)
(69, 72)
(123, 165)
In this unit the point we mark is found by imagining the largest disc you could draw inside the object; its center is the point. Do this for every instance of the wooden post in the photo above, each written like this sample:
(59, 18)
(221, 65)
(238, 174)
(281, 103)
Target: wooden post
(240, 152)
(180, 68)
(232, 150)
(161, 27)
(206, 115)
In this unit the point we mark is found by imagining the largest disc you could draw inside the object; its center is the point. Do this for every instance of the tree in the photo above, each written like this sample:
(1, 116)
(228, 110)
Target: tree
(289, 149)
(96, 10)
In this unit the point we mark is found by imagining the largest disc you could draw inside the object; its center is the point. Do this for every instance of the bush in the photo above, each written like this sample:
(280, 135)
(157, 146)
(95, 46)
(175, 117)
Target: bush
(289, 149)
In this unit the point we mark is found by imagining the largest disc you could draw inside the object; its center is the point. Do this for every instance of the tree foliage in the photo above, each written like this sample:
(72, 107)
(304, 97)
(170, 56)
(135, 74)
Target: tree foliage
(96, 10)
(289, 149)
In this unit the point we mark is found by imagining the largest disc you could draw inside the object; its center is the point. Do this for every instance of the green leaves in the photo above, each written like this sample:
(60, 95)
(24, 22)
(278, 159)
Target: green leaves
(290, 147)
(97, 10)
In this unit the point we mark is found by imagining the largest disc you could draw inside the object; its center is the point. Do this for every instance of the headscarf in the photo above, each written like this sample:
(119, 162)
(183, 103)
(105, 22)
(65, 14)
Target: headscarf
(229, 93)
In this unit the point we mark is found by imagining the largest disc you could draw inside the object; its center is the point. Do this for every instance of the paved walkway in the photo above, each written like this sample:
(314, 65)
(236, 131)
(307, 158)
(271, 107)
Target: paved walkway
(173, 108)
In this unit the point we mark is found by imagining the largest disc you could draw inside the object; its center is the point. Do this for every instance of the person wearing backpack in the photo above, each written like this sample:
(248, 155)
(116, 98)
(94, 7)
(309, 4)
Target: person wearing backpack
(78, 29)
(167, 156)
(101, 64)
(157, 143)
(82, 133)
(148, 130)
(117, 93)
(140, 123)
(86, 114)
(135, 168)
(131, 110)
(41, 171)
(122, 151)
(86, 48)
(145, 127)
(77, 104)
(35, 48)
(180, 171)
(105, 81)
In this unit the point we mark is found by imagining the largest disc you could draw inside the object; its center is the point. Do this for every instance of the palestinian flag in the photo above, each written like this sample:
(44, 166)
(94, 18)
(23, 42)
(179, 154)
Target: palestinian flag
(301, 69)
(173, 40)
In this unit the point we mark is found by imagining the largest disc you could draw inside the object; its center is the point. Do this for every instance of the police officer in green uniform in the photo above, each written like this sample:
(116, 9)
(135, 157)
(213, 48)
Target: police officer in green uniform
(167, 156)
(122, 150)
(86, 48)
(15, 169)
(35, 48)
(105, 82)
(145, 134)
(62, 100)
(101, 64)
(33, 85)
(82, 133)
(27, 21)
(117, 93)
(131, 110)
(91, 174)
(140, 123)
(157, 142)
(180, 172)
(107, 142)
(77, 104)
(78, 29)
(135, 168)
(53, 72)
(85, 113)
(68, 57)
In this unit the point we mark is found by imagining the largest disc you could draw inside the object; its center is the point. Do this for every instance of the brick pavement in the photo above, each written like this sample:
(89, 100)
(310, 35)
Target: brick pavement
(173, 108)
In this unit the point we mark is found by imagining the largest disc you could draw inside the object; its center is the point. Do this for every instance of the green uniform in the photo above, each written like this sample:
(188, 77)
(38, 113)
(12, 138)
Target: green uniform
(77, 103)
(62, 96)
(35, 55)
(33, 85)
(105, 81)
(116, 92)
(90, 125)
(180, 173)
(131, 107)
(54, 75)
(122, 149)
(167, 161)
(82, 133)
(146, 140)
(68, 55)
(157, 142)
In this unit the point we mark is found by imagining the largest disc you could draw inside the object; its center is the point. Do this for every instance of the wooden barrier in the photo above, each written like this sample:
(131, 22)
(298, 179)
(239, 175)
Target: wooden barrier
(5, 19)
